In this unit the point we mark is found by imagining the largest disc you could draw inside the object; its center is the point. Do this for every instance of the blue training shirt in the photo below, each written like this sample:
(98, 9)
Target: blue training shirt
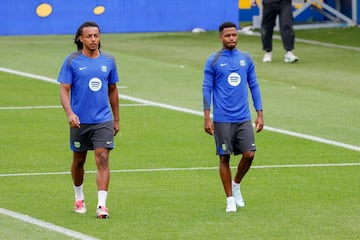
(89, 79)
(226, 83)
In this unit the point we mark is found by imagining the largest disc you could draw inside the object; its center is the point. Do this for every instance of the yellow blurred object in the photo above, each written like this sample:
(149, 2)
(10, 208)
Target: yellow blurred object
(44, 10)
(247, 4)
(98, 10)
(298, 4)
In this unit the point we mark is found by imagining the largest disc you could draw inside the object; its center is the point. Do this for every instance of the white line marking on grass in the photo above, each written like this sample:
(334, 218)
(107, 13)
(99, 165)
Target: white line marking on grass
(185, 110)
(50, 107)
(255, 167)
(185, 169)
(52, 227)
(314, 138)
(29, 75)
(161, 105)
(326, 44)
(309, 165)
(286, 132)
(36, 174)
(28, 107)
(312, 42)
(133, 104)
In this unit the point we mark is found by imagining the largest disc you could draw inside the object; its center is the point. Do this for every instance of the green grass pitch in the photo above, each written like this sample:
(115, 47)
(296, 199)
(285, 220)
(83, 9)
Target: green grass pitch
(164, 181)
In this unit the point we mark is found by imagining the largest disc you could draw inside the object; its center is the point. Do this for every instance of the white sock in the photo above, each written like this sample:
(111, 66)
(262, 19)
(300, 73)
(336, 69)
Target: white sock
(236, 184)
(79, 194)
(102, 195)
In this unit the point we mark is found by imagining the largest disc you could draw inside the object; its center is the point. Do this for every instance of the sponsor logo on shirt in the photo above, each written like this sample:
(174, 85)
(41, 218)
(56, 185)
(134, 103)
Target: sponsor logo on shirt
(234, 79)
(95, 84)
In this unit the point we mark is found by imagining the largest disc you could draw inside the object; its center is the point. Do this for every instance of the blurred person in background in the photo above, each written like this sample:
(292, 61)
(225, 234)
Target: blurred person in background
(270, 10)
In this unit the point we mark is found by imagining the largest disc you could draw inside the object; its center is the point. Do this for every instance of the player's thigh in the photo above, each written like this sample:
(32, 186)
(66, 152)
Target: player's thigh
(244, 138)
(80, 138)
(103, 135)
(223, 138)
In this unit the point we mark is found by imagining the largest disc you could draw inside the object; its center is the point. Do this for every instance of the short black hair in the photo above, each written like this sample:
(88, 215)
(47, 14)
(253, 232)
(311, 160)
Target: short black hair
(226, 25)
(79, 32)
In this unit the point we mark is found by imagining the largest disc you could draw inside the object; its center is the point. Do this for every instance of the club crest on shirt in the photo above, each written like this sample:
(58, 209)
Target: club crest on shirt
(104, 68)
(234, 79)
(95, 84)
(242, 63)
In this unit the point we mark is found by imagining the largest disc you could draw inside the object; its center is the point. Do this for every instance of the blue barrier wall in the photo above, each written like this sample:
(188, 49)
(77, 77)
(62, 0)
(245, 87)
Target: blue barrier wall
(30, 17)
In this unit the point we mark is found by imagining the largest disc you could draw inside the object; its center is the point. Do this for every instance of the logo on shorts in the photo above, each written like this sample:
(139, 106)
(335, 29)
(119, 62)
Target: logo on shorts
(77, 144)
(108, 142)
(223, 147)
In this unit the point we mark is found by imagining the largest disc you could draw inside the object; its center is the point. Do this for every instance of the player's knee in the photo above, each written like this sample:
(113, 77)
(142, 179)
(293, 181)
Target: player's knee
(102, 158)
(249, 155)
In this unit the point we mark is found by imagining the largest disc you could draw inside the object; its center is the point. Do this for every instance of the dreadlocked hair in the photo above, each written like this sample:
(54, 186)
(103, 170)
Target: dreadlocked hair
(79, 32)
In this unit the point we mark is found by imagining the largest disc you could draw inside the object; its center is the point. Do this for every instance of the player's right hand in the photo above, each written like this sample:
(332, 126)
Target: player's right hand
(74, 121)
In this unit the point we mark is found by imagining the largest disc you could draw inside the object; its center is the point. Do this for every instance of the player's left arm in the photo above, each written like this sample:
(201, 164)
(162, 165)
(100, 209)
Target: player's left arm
(259, 122)
(114, 103)
(256, 97)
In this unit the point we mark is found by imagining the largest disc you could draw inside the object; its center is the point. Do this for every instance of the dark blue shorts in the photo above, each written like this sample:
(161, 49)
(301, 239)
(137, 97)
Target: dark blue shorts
(234, 138)
(92, 136)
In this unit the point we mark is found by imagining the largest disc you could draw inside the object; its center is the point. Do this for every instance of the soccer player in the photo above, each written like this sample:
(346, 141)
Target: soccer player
(228, 74)
(89, 96)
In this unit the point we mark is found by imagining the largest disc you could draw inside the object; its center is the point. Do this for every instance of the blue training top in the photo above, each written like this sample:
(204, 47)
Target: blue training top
(226, 82)
(89, 79)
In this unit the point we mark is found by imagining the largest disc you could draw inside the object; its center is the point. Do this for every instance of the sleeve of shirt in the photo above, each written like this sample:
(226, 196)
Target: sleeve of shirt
(208, 83)
(113, 77)
(65, 74)
(254, 86)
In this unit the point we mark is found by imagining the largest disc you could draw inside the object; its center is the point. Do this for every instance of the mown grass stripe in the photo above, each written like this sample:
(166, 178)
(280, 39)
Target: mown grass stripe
(49, 226)
(187, 169)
